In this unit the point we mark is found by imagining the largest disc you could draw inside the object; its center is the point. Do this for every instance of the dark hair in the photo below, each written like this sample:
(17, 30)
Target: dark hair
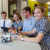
(3, 12)
(18, 15)
(27, 9)
(42, 9)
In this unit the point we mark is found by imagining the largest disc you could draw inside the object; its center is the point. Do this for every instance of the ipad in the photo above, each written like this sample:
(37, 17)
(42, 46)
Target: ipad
(5, 29)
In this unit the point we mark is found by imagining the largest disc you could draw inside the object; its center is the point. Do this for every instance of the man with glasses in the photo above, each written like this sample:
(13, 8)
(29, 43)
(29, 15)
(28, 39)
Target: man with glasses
(29, 22)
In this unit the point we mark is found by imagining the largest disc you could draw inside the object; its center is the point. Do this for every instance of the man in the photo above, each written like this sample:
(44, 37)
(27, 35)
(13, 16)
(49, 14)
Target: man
(4, 22)
(41, 30)
(29, 22)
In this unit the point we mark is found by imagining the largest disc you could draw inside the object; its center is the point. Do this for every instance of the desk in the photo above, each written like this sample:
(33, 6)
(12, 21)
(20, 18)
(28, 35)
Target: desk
(19, 45)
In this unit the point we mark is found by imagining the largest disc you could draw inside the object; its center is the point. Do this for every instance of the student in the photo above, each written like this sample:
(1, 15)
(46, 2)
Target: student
(17, 24)
(4, 22)
(29, 22)
(41, 30)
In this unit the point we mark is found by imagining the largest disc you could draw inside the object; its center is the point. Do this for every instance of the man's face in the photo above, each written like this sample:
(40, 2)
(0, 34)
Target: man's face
(4, 16)
(25, 14)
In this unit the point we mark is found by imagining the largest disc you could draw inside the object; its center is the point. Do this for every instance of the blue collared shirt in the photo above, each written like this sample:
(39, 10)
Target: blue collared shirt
(16, 26)
(29, 24)
(43, 27)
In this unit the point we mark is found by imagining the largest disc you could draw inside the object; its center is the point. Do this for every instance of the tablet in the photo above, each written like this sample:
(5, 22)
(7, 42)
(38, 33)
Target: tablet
(5, 29)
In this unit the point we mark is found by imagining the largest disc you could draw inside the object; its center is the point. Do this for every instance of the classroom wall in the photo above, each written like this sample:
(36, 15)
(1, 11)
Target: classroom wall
(32, 3)
(12, 7)
(23, 4)
(3, 6)
(0, 9)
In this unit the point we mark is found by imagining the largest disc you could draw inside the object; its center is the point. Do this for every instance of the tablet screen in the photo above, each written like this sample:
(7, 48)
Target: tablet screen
(5, 29)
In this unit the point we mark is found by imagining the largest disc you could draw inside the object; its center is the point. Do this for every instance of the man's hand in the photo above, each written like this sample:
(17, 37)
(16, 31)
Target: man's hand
(19, 36)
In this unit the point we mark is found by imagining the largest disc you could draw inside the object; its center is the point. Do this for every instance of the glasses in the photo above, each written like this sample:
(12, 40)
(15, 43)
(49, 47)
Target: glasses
(24, 12)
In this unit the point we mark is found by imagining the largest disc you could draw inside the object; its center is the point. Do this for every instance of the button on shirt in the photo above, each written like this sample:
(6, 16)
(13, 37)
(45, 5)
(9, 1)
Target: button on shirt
(29, 24)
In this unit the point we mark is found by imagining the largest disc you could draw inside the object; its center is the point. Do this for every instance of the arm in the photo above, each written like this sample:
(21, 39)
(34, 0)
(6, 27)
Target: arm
(9, 29)
(14, 31)
(28, 33)
(38, 38)
(19, 29)
(10, 23)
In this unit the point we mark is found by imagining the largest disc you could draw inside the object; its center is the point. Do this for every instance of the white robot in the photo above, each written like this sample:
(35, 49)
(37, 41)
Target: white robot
(6, 38)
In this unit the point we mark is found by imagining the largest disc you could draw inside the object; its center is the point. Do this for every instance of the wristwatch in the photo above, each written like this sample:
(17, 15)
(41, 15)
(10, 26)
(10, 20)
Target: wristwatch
(16, 32)
(22, 39)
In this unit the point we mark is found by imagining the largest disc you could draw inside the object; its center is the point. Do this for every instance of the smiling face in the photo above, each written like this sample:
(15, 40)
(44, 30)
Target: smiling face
(38, 13)
(4, 16)
(16, 18)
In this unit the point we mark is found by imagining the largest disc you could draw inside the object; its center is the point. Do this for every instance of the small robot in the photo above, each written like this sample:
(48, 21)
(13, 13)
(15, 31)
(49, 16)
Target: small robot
(6, 38)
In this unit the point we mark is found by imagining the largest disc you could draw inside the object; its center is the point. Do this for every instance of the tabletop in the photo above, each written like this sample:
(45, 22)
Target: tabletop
(19, 45)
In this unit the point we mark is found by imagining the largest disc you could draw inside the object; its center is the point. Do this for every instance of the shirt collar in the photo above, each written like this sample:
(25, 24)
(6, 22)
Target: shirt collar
(29, 18)
(18, 21)
(42, 18)
(4, 20)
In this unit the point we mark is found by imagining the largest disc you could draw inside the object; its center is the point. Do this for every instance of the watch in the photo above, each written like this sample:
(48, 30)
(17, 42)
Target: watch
(16, 32)
(22, 39)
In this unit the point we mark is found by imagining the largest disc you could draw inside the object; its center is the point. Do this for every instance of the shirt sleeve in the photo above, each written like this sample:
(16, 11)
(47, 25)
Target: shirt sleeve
(9, 22)
(21, 24)
(23, 28)
(44, 27)
(12, 25)
(49, 27)
(37, 26)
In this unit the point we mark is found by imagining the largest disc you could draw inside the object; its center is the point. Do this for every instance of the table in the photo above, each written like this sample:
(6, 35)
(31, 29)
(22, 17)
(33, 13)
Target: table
(19, 45)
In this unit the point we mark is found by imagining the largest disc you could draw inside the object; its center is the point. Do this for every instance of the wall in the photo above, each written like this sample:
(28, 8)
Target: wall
(32, 5)
(0, 9)
(3, 6)
(12, 7)
(41, 1)
(23, 4)
(49, 13)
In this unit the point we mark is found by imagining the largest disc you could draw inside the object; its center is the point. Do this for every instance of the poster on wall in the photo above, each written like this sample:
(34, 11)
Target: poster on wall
(35, 6)
(40, 5)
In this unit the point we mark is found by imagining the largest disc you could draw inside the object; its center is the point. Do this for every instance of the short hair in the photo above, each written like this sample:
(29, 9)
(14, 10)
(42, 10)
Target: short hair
(3, 12)
(27, 9)
(41, 8)
(18, 15)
